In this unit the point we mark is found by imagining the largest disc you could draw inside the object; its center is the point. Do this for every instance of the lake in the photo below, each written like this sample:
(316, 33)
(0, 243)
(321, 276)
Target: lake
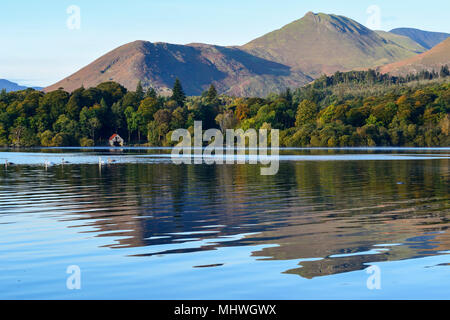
(357, 223)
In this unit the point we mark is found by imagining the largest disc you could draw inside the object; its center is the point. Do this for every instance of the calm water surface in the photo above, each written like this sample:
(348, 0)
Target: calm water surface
(143, 228)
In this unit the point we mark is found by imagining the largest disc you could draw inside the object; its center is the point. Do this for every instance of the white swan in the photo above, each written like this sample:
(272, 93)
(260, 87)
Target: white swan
(8, 163)
(48, 163)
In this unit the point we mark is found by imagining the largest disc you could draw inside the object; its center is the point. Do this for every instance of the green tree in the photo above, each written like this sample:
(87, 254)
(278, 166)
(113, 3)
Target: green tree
(46, 138)
(86, 142)
(118, 116)
(151, 93)
(68, 127)
(153, 134)
(444, 71)
(89, 122)
(178, 93)
(139, 91)
(140, 123)
(75, 104)
(131, 121)
(306, 113)
(111, 91)
(148, 108)
(93, 125)
(178, 118)
(211, 95)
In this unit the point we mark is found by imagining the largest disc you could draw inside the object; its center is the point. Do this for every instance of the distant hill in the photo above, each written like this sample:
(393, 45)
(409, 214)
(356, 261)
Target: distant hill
(431, 60)
(402, 41)
(12, 86)
(157, 65)
(322, 43)
(426, 39)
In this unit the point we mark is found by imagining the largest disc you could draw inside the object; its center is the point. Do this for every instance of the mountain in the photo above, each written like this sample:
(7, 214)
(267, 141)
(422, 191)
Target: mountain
(157, 65)
(426, 39)
(289, 57)
(402, 41)
(322, 43)
(431, 60)
(12, 86)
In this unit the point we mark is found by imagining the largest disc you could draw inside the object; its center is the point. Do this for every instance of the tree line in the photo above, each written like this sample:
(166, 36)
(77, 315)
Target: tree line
(359, 108)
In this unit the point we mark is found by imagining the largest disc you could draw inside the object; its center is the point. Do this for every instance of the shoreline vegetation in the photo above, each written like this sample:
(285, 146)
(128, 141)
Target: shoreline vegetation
(350, 109)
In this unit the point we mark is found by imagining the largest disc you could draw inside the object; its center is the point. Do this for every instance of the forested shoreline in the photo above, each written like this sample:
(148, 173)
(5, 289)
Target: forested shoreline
(360, 108)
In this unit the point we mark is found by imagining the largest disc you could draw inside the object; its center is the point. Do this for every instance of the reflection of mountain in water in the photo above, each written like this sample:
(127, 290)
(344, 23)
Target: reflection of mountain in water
(308, 210)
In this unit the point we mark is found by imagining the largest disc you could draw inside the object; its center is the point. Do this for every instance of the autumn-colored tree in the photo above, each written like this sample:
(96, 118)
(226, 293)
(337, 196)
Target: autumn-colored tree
(242, 110)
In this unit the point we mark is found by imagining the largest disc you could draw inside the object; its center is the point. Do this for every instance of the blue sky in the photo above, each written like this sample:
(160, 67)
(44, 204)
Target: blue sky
(37, 47)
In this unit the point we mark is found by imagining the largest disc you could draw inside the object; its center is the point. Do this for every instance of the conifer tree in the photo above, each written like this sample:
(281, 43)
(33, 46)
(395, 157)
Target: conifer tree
(139, 91)
(177, 93)
(211, 95)
(151, 93)
(444, 71)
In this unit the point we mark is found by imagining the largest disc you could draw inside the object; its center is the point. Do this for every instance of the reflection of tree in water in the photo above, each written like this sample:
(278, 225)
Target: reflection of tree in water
(363, 209)
(310, 209)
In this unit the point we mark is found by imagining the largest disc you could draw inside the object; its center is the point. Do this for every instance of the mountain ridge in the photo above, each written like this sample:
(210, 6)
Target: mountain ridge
(306, 44)
(432, 60)
(12, 86)
(291, 56)
(427, 39)
(157, 65)
(402, 41)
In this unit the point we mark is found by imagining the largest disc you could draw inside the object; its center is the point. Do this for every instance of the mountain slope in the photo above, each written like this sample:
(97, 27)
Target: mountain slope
(431, 60)
(426, 39)
(233, 71)
(322, 43)
(289, 57)
(12, 86)
(402, 41)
